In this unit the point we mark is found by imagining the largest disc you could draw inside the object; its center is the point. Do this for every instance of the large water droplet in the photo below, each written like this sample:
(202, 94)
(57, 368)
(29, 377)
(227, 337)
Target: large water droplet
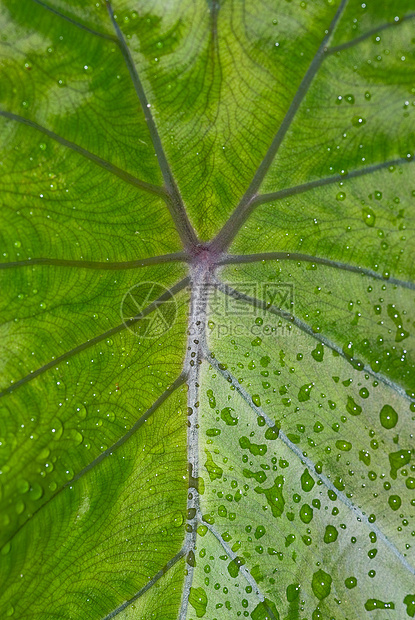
(388, 417)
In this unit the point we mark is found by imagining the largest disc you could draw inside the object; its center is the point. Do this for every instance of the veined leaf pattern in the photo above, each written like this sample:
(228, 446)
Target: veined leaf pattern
(208, 387)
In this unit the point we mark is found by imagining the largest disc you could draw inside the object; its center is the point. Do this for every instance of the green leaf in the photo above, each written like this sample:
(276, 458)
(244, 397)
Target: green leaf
(208, 377)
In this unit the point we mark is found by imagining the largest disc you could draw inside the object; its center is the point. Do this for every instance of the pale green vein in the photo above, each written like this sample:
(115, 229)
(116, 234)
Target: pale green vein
(226, 374)
(72, 21)
(136, 426)
(85, 264)
(197, 322)
(89, 343)
(232, 226)
(122, 174)
(287, 316)
(295, 256)
(175, 203)
(369, 33)
(239, 216)
(242, 569)
(148, 585)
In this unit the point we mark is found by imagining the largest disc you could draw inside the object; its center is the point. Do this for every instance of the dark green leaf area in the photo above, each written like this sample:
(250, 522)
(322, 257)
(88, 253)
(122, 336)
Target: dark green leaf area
(207, 315)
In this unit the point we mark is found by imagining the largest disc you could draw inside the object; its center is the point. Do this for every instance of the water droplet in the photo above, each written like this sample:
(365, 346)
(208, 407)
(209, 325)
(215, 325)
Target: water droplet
(306, 513)
(350, 582)
(19, 507)
(177, 519)
(23, 486)
(374, 603)
(36, 491)
(388, 417)
(74, 436)
(256, 400)
(358, 121)
(331, 534)
(395, 502)
(81, 412)
(343, 445)
(307, 482)
(56, 429)
(321, 584)
(369, 217)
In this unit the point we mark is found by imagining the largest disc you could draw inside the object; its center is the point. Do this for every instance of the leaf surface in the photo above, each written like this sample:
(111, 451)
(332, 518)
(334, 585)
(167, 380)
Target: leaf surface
(208, 383)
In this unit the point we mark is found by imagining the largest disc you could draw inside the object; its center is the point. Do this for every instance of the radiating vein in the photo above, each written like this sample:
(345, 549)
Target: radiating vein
(175, 203)
(369, 33)
(259, 303)
(103, 35)
(239, 216)
(197, 319)
(295, 256)
(89, 343)
(122, 174)
(137, 425)
(85, 264)
(148, 585)
(307, 461)
(242, 569)
(338, 178)
(230, 229)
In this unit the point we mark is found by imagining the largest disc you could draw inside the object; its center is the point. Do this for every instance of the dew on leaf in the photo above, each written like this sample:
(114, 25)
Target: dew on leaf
(321, 584)
(352, 407)
(374, 603)
(36, 491)
(331, 534)
(256, 400)
(272, 433)
(397, 460)
(388, 417)
(213, 469)
(350, 582)
(22, 486)
(226, 415)
(293, 591)
(274, 496)
(212, 400)
(266, 610)
(198, 600)
(255, 449)
(409, 601)
(259, 532)
(306, 513)
(318, 352)
(343, 445)
(358, 121)
(307, 481)
(368, 216)
(305, 392)
(213, 432)
(394, 502)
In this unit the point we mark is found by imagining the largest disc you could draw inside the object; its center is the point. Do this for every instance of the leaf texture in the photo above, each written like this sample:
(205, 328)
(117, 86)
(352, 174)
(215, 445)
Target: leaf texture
(208, 381)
